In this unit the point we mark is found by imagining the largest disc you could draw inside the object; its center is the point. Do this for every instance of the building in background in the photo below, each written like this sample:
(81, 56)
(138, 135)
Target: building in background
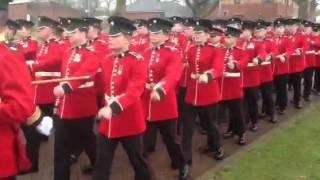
(31, 9)
(255, 9)
(155, 8)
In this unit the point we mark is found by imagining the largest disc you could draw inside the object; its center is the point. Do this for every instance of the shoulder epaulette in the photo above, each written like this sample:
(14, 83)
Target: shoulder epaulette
(102, 41)
(217, 45)
(136, 55)
(171, 48)
(90, 48)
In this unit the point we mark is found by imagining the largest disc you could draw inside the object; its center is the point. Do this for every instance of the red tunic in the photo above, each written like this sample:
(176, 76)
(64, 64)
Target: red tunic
(296, 59)
(16, 105)
(140, 43)
(251, 73)
(101, 50)
(284, 48)
(82, 101)
(184, 77)
(204, 59)
(47, 66)
(310, 54)
(266, 68)
(29, 48)
(232, 81)
(164, 72)
(124, 80)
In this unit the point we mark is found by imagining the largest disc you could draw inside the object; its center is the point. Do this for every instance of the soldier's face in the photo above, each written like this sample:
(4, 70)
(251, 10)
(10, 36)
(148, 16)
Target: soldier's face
(188, 31)
(293, 28)
(230, 40)
(215, 39)
(119, 42)
(280, 30)
(260, 33)
(142, 30)
(156, 38)
(92, 32)
(9, 33)
(77, 37)
(44, 32)
(246, 34)
(201, 37)
(308, 30)
(178, 28)
(24, 32)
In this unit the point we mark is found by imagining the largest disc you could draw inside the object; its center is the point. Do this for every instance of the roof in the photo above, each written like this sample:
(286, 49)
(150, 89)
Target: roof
(169, 8)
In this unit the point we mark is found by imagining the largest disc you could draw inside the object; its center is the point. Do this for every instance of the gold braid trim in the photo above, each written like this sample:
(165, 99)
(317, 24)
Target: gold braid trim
(35, 117)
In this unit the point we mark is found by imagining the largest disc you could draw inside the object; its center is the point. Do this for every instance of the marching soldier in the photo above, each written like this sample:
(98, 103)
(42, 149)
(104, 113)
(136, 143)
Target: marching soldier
(266, 74)
(17, 108)
(100, 47)
(11, 31)
(164, 71)
(189, 24)
(203, 91)
(316, 29)
(231, 86)
(176, 36)
(310, 60)
(122, 117)
(141, 40)
(281, 65)
(74, 126)
(296, 59)
(64, 41)
(46, 65)
(29, 46)
(251, 73)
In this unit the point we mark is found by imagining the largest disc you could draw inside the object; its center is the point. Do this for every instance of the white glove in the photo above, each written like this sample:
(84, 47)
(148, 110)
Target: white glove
(255, 61)
(203, 78)
(45, 126)
(269, 58)
(297, 52)
(281, 58)
(105, 113)
(58, 91)
(231, 65)
(154, 96)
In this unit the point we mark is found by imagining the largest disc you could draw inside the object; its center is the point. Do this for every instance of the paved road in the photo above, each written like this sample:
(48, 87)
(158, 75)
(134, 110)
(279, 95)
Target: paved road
(159, 160)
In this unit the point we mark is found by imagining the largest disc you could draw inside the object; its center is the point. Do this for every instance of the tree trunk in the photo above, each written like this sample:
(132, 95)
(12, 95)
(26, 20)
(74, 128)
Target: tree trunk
(303, 10)
(202, 8)
(121, 8)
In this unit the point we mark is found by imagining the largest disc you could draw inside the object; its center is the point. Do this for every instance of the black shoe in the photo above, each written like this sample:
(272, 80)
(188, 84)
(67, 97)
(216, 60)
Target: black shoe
(88, 169)
(203, 131)
(281, 111)
(228, 134)
(174, 166)
(73, 159)
(32, 170)
(262, 115)
(242, 140)
(205, 150)
(297, 105)
(219, 154)
(316, 93)
(254, 128)
(273, 120)
(184, 173)
(306, 99)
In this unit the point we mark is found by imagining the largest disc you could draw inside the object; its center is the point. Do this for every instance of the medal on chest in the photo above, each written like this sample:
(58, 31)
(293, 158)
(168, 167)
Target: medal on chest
(77, 58)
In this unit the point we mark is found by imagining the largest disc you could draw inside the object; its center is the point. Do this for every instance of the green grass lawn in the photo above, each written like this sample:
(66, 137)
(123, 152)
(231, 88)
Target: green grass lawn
(291, 152)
